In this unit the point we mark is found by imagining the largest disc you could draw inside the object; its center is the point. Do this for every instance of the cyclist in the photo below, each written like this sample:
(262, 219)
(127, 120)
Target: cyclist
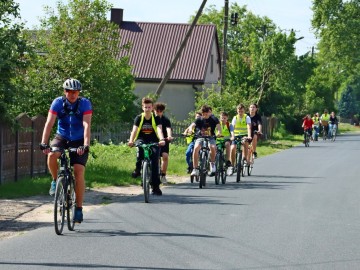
(191, 143)
(256, 126)
(159, 109)
(205, 126)
(73, 130)
(226, 129)
(333, 123)
(242, 126)
(147, 128)
(324, 121)
(307, 125)
(316, 120)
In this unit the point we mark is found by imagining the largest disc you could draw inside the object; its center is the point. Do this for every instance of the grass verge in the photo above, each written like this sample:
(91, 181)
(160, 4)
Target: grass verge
(111, 165)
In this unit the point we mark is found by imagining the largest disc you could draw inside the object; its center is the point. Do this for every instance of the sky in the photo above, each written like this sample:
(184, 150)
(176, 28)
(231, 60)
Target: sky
(286, 14)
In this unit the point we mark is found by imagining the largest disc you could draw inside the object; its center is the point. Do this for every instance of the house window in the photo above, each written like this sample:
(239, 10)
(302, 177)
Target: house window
(212, 64)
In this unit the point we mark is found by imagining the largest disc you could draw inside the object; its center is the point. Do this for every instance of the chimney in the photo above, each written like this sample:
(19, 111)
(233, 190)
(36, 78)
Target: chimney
(116, 16)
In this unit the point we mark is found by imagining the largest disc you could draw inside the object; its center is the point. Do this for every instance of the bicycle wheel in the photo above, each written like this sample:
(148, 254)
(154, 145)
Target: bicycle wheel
(203, 169)
(238, 166)
(223, 170)
(59, 205)
(218, 159)
(251, 165)
(333, 137)
(70, 204)
(146, 178)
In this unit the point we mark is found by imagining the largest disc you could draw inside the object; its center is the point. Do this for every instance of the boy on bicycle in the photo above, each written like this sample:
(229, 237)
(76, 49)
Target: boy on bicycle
(190, 142)
(307, 125)
(159, 109)
(205, 126)
(226, 129)
(147, 129)
(74, 119)
(256, 126)
(242, 127)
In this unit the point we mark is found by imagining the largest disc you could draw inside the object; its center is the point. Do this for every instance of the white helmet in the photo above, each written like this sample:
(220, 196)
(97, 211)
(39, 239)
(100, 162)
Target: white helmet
(72, 84)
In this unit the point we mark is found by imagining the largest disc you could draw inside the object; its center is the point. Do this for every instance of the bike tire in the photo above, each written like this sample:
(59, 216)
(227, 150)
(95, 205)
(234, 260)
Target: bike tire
(238, 167)
(203, 170)
(251, 165)
(146, 178)
(218, 168)
(59, 206)
(71, 205)
(223, 170)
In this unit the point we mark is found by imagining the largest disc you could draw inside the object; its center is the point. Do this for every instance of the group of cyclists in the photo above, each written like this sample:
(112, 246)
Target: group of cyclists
(74, 113)
(326, 124)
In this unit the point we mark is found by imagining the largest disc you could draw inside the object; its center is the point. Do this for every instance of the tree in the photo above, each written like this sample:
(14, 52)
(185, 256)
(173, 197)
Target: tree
(262, 66)
(12, 58)
(347, 104)
(337, 25)
(78, 41)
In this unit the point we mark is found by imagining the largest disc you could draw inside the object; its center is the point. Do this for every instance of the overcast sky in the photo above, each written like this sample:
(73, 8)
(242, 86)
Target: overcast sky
(287, 14)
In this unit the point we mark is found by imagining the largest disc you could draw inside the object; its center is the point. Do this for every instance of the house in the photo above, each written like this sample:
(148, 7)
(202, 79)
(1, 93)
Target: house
(154, 46)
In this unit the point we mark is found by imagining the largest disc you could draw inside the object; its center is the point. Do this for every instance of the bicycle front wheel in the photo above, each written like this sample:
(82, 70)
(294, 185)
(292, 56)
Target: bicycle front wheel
(238, 166)
(203, 169)
(59, 205)
(146, 179)
(218, 163)
(223, 170)
(251, 165)
(70, 204)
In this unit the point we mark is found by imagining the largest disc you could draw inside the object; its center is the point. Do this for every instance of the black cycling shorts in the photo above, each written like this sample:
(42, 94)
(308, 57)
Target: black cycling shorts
(60, 142)
(165, 148)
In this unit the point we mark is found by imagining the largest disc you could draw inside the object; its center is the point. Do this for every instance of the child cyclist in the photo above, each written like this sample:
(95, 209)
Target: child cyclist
(147, 128)
(242, 127)
(205, 126)
(226, 129)
(307, 125)
(190, 142)
(159, 109)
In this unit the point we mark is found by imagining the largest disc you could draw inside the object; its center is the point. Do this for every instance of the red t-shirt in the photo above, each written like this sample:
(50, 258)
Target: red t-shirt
(308, 123)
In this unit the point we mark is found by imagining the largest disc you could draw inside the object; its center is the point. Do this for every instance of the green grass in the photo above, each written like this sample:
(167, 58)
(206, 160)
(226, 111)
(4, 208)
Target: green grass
(111, 165)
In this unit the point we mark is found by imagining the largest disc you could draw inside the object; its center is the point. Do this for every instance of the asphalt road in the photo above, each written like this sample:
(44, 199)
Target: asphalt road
(299, 210)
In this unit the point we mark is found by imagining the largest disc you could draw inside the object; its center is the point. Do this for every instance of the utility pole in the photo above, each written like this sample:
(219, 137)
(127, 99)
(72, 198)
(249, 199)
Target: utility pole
(224, 52)
(178, 53)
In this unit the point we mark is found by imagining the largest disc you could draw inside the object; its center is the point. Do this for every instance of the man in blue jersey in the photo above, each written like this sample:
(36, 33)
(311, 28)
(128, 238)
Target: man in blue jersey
(73, 130)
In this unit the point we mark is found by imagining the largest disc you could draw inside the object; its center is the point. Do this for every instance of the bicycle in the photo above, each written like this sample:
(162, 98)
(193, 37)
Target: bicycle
(203, 159)
(333, 132)
(324, 131)
(146, 174)
(220, 163)
(239, 162)
(306, 138)
(65, 201)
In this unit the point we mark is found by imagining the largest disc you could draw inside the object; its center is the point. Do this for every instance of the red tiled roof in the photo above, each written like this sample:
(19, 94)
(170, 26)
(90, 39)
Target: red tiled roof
(154, 45)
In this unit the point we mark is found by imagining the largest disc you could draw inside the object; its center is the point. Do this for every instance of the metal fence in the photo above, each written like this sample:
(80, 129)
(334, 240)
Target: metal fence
(20, 155)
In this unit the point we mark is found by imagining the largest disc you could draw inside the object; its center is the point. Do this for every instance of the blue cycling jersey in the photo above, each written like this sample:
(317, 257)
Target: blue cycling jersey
(70, 117)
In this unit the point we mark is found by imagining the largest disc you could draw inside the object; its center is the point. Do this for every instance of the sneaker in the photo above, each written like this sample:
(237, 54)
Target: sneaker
(228, 163)
(78, 216)
(135, 174)
(163, 179)
(213, 168)
(230, 170)
(255, 154)
(52, 188)
(157, 191)
(195, 172)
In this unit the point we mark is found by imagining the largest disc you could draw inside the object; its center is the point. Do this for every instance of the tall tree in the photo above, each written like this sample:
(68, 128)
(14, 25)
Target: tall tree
(12, 58)
(262, 66)
(347, 104)
(78, 41)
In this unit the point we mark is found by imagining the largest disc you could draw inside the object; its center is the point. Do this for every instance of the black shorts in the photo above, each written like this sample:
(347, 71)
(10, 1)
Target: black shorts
(165, 148)
(59, 141)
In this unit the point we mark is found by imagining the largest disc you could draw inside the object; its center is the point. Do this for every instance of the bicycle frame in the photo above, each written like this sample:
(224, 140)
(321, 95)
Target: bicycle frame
(239, 166)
